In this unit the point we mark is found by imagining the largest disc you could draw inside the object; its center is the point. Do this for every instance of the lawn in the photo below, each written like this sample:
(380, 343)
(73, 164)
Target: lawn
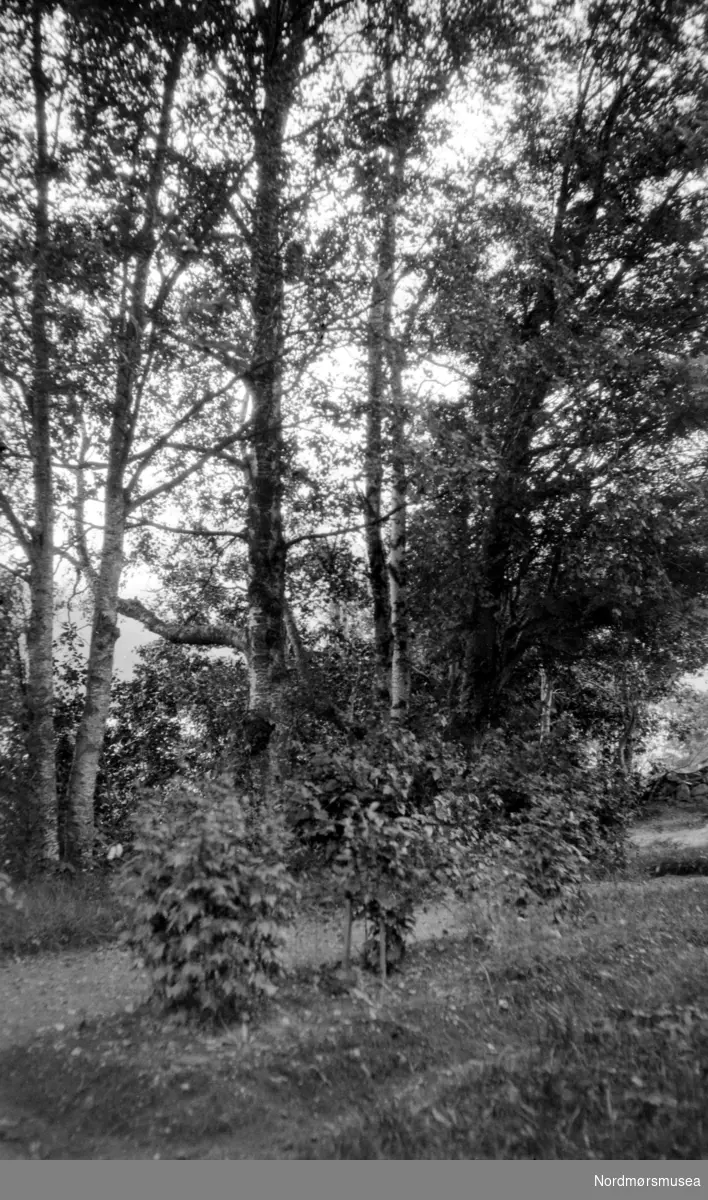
(514, 1039)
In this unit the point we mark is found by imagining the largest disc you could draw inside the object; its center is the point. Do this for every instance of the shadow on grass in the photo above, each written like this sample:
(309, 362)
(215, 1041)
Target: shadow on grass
(588, 1039)
(629, 1088)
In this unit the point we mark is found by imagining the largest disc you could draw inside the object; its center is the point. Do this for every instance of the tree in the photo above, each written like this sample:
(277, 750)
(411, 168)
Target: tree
(157, 208)
(14, 721)
(578, 332)
(415, 52)
(30, 311)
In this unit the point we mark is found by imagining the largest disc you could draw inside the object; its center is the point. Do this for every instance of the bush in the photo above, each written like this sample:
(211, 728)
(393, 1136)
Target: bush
(207, 910)
(563, 818)
(370, 815)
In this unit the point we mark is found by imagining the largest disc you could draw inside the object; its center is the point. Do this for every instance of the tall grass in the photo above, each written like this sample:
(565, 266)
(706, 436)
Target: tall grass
(59, 913)
(610, 1025)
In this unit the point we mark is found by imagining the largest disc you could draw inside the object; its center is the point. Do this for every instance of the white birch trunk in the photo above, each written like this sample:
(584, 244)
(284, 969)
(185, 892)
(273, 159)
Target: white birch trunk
(42, 844)
(104, 633)
(546, 705)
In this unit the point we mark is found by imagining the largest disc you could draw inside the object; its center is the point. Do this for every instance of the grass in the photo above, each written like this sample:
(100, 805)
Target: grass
(614, 1030)
(522, 1039)
(679, 860)
(59, 913)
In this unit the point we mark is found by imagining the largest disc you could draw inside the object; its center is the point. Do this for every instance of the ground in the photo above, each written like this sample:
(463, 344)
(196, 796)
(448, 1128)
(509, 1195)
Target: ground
(607, 1006)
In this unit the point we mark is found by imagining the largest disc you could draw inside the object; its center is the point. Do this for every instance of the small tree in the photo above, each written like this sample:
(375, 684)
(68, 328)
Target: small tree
(356, 812)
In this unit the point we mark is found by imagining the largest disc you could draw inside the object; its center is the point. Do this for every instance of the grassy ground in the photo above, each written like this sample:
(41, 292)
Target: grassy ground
(519, 1040)
(58, 913)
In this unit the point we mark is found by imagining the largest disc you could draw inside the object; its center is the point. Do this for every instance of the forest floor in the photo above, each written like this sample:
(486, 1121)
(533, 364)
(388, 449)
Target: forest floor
(500, 1037)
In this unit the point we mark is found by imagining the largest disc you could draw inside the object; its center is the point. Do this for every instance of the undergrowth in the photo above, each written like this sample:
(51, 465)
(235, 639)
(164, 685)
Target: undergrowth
(59, 912)
(606, 1048)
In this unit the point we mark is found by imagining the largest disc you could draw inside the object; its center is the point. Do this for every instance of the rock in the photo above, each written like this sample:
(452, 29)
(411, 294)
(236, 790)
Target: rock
(683, 793)
(700, 791)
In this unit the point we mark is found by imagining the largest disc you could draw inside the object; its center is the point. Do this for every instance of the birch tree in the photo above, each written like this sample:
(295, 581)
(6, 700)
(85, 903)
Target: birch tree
(29, 304)
(158, 206)
(416, 52)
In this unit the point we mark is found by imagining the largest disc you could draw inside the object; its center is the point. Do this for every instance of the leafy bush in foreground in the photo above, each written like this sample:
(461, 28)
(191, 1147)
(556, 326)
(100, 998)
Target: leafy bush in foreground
(208, 909)
(371, 816)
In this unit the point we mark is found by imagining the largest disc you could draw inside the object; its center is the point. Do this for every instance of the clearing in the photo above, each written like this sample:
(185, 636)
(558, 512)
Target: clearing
(500, 1038)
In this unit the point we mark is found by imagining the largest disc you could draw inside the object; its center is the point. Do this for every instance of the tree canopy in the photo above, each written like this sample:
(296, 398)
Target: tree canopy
(377, 336)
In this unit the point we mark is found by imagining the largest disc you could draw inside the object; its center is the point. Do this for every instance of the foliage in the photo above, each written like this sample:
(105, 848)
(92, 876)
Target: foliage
(60, 912)
(684, 715)
(563, 816)
(207, 911)
(13, 722)
(8, 897)
(364, 812)
(176, 714)
(564, 493)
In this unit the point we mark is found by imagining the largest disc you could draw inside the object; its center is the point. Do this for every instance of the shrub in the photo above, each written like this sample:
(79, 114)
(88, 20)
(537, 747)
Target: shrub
(563, 817)
(358, 815)
(207, 910)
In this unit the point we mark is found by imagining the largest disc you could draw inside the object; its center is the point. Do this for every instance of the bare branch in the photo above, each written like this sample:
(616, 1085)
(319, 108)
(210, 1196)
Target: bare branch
(170, 484)
(361, 525)
(235, 534)
(15, 524)
(183, 634)
(143, 457)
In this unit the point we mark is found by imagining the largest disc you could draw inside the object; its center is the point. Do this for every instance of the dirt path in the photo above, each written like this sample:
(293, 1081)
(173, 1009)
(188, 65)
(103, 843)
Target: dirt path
(671, 828)
(59, 991)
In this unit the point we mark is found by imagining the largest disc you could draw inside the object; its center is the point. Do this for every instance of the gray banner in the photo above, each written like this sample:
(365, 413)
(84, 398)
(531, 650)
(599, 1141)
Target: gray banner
(350, 1180)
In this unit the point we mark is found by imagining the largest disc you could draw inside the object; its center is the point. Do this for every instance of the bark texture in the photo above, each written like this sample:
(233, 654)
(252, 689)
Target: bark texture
(547, 694)
(42, 846)
(130, 338)
(378, 322)
(397, 564)
(283, 29)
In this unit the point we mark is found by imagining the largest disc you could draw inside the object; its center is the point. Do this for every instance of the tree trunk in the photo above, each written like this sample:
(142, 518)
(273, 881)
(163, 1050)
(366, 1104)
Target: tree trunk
(266, 728)
(99, 674)
(397, 573)
(397, 567)
(373, 457)
(42, 844)
(546, 705)
(132, 321)
(625, 746)
(480, 672)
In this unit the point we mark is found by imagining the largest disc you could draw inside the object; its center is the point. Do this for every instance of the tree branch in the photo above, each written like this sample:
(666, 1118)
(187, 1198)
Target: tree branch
(170, 484)
(311, 537)
(143, 457)
(183, 634)
(235, 534)
(15, 524)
